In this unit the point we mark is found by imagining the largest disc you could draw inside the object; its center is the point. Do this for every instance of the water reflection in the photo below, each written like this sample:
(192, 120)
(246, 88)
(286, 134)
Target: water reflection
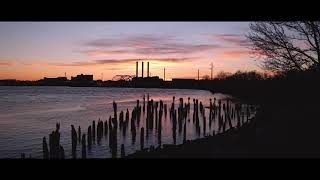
(24, 133)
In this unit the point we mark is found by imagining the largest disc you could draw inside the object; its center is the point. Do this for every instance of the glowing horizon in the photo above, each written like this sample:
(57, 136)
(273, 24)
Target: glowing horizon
(33, 50)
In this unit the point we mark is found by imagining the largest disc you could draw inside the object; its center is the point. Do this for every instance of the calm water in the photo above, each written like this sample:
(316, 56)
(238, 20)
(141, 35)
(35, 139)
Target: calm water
(27, 114)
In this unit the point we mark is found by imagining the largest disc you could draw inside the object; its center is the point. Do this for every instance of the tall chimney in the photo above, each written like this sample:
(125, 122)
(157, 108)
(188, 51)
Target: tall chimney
(198, 75)
(142, 69)
(148, 70)
(137, 70)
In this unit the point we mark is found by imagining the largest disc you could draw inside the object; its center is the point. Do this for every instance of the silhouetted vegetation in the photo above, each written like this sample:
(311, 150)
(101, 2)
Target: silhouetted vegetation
(287, 46)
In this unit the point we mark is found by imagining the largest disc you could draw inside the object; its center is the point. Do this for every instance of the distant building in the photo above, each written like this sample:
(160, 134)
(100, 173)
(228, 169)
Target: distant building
(83, 80)
(147, 82)
(82, 77)
(58, 81)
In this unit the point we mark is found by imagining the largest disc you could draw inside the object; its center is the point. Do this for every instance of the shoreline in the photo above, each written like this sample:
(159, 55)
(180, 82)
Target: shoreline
(229, 144)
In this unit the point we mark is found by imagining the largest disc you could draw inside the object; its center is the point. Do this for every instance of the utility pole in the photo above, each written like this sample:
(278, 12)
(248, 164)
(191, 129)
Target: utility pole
(164, 74)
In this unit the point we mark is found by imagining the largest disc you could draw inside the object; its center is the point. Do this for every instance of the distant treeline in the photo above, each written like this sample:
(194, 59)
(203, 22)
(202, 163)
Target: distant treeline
(261, 86)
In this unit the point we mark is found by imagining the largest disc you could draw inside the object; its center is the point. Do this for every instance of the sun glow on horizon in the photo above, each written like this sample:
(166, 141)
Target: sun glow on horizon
(67, 48)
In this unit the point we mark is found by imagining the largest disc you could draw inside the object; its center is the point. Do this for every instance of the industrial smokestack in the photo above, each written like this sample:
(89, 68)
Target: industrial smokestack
(148, 70)
(142, 69)
(137, 69)
(198, 75)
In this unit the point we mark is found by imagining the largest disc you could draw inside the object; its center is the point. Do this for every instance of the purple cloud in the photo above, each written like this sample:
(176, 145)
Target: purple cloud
(236, 39)
(145, 45)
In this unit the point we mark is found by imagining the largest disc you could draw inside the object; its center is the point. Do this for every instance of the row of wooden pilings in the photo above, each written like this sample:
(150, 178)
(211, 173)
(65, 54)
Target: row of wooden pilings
(178, 116)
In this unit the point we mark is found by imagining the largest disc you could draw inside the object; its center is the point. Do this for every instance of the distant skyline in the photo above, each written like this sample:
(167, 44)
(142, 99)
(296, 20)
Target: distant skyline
(33, 50)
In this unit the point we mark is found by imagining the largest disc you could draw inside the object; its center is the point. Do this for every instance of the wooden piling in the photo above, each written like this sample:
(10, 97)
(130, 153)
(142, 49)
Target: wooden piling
(106, 127)
(84, 148)
(89, 134)
(73, 141)
(93, 131)
(79, 134)
(185, 133)
(142, 138)
(45, 148)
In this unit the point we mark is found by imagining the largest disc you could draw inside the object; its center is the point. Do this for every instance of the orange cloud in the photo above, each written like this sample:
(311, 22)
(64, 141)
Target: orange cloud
(6, 63)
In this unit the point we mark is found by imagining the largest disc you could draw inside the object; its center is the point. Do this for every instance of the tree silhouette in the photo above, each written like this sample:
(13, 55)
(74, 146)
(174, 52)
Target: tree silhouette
(222, 75)
(287, 46)
(206, 77)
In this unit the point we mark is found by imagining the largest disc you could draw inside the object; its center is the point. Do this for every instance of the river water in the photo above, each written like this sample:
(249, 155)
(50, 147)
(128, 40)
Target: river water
(27, 114)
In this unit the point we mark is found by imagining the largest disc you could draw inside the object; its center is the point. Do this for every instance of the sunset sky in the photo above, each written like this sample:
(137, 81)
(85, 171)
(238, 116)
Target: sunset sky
(33, 50)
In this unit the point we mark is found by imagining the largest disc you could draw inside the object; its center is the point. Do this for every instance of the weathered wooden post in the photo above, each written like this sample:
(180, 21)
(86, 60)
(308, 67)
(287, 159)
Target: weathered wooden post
(138, 103)
(160, 126)
(54, 144)
(133, 127)
(127, 117)
(106, 127)
(121, 120)
(142, 138)
(45, 148)
(197, 111)
(173, 98)
(152, 114)
(89, 134)
(110, 135)
(93, 131)
(194, 111)
(110, 124)
(174, 126)
(185, 133)
(139, 115)
(144, 101)
(84, 148)
(148, 114)
(115, 114)
(227, 115)
(156, 115)
(188, 105)
(204, 122)
(73, 141)
(99, 131)
(79, 134)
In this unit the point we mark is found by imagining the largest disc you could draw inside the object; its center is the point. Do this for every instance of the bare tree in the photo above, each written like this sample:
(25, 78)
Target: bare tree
(222, 75)
(206, 77)
(286, 46)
